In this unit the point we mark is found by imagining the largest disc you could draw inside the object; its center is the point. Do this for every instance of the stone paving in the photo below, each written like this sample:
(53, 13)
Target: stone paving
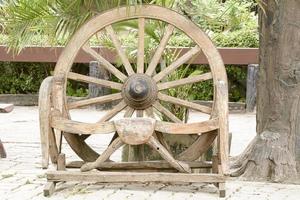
(21, 176)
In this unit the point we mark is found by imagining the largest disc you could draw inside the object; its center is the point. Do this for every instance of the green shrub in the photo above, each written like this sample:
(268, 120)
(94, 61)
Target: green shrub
(22, 78)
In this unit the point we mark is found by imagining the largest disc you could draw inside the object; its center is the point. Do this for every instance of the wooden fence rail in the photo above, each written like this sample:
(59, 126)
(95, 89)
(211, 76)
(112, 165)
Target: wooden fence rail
(233, 56)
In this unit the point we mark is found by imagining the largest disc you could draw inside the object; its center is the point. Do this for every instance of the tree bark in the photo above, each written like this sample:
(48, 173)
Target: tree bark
(274, 154)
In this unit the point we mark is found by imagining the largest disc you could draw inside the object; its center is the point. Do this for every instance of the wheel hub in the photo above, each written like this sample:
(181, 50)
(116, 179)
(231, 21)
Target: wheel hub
(139, 91)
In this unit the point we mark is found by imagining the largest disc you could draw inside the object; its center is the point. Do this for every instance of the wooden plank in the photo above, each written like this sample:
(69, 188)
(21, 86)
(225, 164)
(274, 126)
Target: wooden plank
(74, 127)
(119, 177)
(189, 128)
(109, 29)
(222, 107)
(97, 100)
(6, 108)
(140, 165)
(160, 49)
(173, 66)
(184, 81)
(231, 56)
(141, 46)
(89, 79)
(177, 101)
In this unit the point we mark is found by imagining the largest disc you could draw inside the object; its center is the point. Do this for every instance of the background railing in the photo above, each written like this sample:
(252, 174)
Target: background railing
(231, 56)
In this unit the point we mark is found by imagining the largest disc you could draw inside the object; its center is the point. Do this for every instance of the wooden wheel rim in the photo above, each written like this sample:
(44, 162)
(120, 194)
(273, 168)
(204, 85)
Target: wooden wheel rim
(120, 14)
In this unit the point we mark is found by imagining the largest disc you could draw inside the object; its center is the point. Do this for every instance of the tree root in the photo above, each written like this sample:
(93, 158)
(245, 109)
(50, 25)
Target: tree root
(267, 157)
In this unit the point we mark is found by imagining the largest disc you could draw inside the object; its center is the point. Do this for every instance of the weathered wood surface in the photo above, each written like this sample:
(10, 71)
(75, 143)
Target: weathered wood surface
(117, 143)
(6, 108)
(109, 29)
(49, 188)
(104, 62)
(222, 107)
(141, 46)
(2, 150)
(160, 49)
(251, 87)
(135, 131)
(96, 100)
(82, 128)
(140, 165)
(165, 154)
(48, 142)
(119, 177)
(61, 162)
(184, 81)
(104, 21)
(190, 128)
(98, 78)
(200, 146)
(184, 103)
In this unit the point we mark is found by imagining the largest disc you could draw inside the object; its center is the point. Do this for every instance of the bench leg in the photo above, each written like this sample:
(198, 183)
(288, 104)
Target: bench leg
(2, 150)
(222, 191)
(49, 189)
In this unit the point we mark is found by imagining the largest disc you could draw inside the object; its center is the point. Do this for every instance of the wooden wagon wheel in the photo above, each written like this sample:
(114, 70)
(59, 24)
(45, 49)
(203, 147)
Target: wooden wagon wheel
(140, 90)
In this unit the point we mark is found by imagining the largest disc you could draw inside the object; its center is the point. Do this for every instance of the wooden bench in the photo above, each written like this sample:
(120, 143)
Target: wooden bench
(4, 108)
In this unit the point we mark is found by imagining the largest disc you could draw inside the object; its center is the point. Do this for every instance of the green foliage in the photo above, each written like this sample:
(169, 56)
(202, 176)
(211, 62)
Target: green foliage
(22, 78)
(52, 22)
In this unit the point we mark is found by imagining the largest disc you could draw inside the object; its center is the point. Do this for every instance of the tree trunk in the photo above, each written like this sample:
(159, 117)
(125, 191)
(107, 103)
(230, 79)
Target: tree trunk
(274, 154)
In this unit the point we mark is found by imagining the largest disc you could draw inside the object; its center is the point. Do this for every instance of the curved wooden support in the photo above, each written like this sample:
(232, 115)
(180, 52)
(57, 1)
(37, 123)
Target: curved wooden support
(200, 146)
(179, 165)
(117, 143)
(190, 128)
(74, 127)
(48, 144)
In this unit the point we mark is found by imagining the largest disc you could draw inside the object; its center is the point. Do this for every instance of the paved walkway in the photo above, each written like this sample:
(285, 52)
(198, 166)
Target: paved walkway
(21, 176)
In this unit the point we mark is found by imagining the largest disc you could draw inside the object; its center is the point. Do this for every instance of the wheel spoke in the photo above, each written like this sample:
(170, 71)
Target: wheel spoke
(177, 101)
(149, 111)
(180, 61)
(104, 62)
(110, 31)
(160, 50)
(113, 112)
(88, 79)
(166, 112)
(129, 112)
(189, 80)
(97, 100)
(139, 113)
(141, 46)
